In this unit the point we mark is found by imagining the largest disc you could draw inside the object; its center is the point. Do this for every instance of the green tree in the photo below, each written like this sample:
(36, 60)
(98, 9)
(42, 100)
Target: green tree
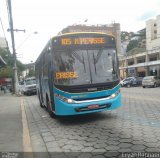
(31, 73)
(124, 35)
(8, 58)
(132, 44)
(6, 72)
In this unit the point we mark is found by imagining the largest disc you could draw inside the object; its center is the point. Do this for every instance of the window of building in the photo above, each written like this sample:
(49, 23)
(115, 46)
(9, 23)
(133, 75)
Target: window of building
(152, 58)
(130, 62)
(141, 60)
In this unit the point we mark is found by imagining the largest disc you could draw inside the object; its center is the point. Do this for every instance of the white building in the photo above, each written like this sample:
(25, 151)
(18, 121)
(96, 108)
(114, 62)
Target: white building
(144, 63)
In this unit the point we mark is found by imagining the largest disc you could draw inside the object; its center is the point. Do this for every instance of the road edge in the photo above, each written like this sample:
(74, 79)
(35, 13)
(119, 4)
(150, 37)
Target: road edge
(27, 147)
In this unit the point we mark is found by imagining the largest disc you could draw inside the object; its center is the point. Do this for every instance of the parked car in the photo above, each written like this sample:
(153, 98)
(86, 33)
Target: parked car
(28, 86)
(150, 81)
(10, 87)
(137, 81)
(131, 81)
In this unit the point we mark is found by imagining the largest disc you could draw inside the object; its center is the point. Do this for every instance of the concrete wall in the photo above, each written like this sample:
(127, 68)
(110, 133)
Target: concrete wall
(153, 33)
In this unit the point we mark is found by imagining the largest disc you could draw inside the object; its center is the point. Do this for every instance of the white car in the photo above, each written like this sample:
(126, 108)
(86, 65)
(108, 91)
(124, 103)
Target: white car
(29, 86)
(150, 81)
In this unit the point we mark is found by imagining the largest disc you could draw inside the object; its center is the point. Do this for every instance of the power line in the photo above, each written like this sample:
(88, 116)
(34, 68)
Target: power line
(7, 5)
(4, 31)
(2, 28)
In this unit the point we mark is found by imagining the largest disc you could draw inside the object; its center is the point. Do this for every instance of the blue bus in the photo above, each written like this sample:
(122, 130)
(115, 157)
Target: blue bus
(78, 73)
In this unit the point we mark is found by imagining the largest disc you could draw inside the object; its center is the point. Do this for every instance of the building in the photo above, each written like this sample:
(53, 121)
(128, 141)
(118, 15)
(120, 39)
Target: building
(143, 63)
(28, 68)
(3, 42)
(113, 29)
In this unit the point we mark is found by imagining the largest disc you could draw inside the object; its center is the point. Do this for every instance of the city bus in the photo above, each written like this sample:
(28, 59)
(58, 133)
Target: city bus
(78, 73)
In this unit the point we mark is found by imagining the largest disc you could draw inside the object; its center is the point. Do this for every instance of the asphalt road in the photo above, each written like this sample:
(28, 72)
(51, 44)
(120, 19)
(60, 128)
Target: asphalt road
(135, 127)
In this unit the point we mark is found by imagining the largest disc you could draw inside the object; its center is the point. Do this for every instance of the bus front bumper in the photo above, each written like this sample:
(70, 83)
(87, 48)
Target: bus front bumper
(63, 108)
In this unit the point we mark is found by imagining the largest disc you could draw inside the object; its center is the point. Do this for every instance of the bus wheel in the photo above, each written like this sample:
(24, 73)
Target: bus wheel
(40, 102)
(51, 114)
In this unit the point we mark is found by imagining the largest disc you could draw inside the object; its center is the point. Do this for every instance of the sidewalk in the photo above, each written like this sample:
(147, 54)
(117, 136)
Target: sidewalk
(10, 123)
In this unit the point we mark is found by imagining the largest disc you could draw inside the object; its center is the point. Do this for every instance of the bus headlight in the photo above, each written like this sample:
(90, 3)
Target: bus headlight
(115, 94)
(67, 100)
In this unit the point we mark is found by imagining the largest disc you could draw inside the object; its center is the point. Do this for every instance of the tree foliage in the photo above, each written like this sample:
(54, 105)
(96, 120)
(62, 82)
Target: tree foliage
(132, 44)
(126, 35)
(7, 71)
(31, 73)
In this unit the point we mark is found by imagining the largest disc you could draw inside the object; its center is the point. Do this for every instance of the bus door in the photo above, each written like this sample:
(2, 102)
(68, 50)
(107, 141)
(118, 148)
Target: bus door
(44, 77)
(51, 79)
(40, 81)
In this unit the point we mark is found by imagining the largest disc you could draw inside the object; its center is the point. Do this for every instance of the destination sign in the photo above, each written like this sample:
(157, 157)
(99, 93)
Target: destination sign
(81, 41)
(66, 75)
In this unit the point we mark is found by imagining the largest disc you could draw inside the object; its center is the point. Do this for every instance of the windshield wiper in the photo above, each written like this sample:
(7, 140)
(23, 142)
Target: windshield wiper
(79, 59)
(96, 59)
(98, 56)
(95, 68)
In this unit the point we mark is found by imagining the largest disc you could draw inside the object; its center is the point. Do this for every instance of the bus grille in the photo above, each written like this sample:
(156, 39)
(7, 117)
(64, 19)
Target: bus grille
(82, 109)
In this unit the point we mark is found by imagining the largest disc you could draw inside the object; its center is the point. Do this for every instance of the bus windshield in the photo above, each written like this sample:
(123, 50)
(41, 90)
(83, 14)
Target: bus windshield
(86, 66)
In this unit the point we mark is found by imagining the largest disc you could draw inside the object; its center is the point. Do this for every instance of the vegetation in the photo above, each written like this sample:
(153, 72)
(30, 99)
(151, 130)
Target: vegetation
(31, 73)
(136, 50)
(132, 44)
(134, 39)
(7, 71)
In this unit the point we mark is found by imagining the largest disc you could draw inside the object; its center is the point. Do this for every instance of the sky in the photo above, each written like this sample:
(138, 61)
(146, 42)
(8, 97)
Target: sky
(48, 17)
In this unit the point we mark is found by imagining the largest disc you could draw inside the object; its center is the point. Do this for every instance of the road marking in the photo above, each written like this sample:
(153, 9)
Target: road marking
(27, 147)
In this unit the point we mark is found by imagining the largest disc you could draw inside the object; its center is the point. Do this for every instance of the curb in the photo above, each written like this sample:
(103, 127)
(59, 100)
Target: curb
(27, 147)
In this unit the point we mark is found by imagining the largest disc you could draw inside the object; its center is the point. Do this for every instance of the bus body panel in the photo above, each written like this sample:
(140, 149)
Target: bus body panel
(63, 108)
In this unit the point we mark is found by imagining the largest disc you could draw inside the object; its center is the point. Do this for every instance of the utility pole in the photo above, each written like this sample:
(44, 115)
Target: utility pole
(13, 47)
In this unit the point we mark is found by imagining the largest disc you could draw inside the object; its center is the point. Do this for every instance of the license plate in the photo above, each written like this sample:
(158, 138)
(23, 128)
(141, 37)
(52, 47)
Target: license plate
(93, 106)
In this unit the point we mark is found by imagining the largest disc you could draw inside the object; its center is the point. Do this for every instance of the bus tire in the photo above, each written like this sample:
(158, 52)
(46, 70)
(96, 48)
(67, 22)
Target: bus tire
(51, 114)
(40, 102)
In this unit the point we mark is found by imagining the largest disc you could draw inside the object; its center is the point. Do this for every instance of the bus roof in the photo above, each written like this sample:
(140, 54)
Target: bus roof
(74, 33)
